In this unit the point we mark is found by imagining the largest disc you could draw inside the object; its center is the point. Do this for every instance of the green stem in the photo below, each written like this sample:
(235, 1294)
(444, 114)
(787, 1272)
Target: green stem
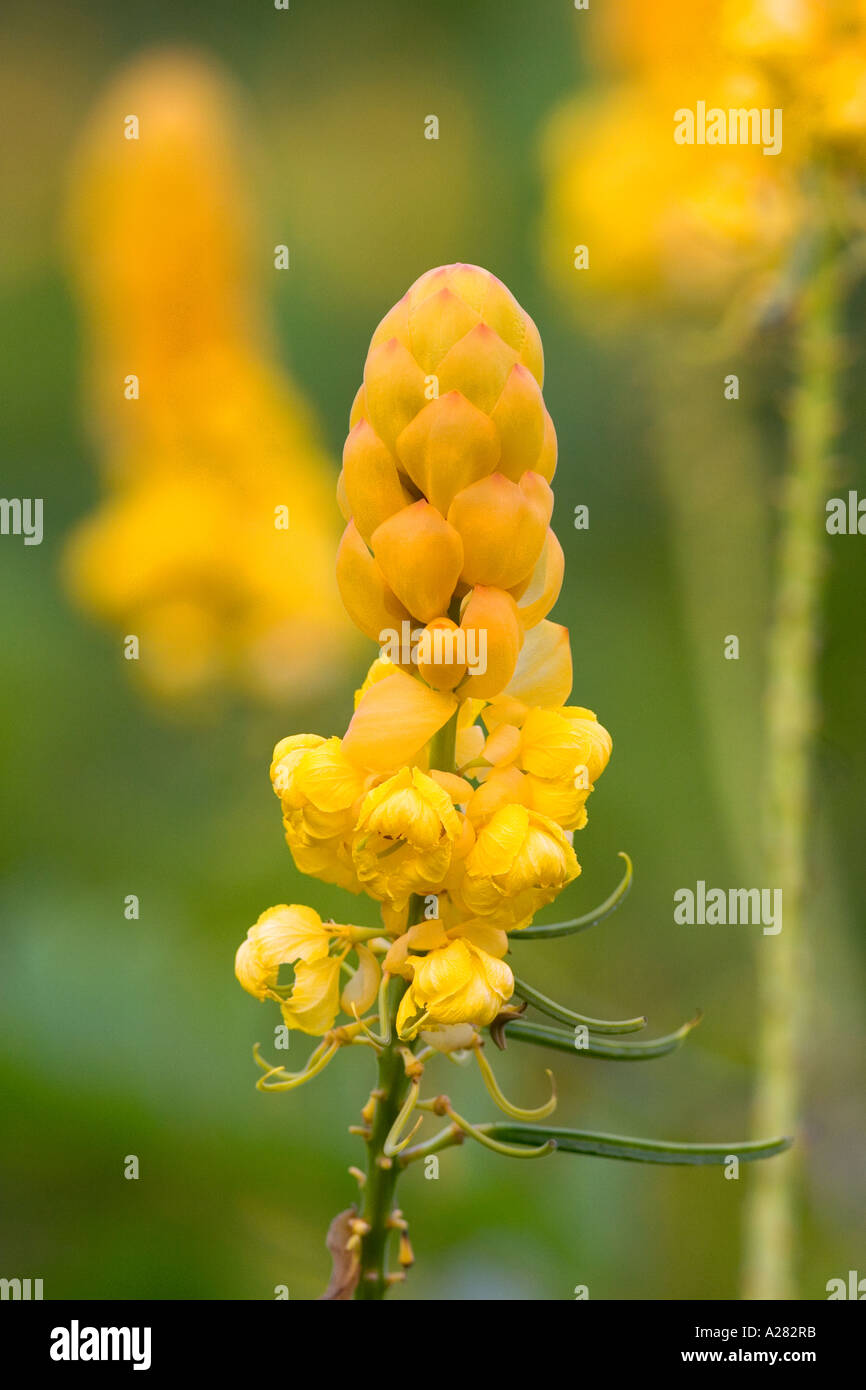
(382, 1172)
(770, 1256)
(392, 1087)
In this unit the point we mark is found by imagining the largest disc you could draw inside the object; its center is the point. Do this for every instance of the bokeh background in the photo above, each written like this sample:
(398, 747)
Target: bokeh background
(132, 1037)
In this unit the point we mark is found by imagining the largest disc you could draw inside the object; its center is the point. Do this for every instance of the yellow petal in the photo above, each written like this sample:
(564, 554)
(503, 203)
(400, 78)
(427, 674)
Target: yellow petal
(315, 999)
(371, 481)
(545, 583)
(393, 389)
(421, 557)
(478, 366)
(364, 984)
(503, 529)
(519, 417)
(448, 445)
(369, 601)
(393, 722)
(543, 674)
(436, 324)
(492, 627)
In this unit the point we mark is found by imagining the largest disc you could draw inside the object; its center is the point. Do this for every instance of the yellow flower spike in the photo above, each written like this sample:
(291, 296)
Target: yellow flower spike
(371, 481)
(503, 527)
(164, 258)
(491, 623)
(281, 936)
(368, 599)
(421, 556)
(541, 1112)
(393, 722)
(404, 838)
(448, 446)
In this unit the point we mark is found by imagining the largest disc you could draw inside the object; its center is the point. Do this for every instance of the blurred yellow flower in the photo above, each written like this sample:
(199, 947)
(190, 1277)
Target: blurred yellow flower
(691, 221)
(214, 544)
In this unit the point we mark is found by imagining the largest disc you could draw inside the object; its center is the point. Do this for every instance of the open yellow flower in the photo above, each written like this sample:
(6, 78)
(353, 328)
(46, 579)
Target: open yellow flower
(458, 984)
(521, 860)
(406, 832)
(281, 936)
(320, 792)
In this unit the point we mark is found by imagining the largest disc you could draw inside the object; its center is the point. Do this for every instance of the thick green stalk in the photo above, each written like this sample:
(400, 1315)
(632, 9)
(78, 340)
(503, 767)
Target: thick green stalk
(382, 1172)
(391, 1089)
(770, 1254)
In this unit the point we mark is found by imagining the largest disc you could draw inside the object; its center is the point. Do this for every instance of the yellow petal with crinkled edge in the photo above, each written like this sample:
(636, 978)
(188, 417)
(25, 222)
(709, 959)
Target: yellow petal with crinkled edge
(596, 744)
(371, 480)
(545, 583)
(458, 984)
(393, 390)
(492, 940)
(394, 720)
(448, 446)
(421, 557)
(543, 674)
(286, 757)
(369, 602)
(315, 999)
(499, 842)
(282, 935)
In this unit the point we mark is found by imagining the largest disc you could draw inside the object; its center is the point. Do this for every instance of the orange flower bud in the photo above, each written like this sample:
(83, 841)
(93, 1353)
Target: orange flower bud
(421, 557)
(503, 526)
(519, 416)
(369, 602)
(443, 642)
(493, 632)
(371, 482)
(393, 390)
(448, 445)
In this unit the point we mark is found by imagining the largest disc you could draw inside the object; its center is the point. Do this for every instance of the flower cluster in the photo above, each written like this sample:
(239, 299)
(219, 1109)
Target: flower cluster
(694, 223)
(453, 797)
(214, 541)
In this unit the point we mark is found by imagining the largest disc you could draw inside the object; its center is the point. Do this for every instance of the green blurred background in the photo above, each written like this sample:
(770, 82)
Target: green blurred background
(126, 1037)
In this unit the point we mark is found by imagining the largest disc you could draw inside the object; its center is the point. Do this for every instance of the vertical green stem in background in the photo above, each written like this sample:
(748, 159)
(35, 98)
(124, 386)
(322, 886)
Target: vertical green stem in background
(391, 1088)
(770, 1255)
